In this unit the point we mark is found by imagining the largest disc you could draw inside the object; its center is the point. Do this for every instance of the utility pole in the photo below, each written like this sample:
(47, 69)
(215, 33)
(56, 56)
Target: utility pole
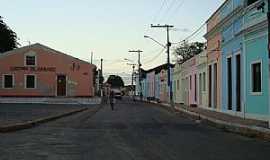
(168, 58)
(91, 57)
(139, 69)
(100, 78)
(132, 80)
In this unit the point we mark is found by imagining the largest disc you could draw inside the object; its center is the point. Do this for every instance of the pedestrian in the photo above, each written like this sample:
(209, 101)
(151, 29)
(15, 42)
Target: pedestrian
(111, 98)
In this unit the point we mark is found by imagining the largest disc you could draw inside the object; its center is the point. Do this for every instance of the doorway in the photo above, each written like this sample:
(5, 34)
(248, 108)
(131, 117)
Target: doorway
(61, 85)
(238, 83)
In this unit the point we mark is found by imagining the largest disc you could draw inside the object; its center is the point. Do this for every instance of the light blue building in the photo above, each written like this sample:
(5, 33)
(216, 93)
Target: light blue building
(157, 85)
(232, 56)
(256, 64)
(245, 60)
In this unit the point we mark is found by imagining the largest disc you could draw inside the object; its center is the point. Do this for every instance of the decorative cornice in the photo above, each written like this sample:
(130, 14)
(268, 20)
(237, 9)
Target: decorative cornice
(236, 12)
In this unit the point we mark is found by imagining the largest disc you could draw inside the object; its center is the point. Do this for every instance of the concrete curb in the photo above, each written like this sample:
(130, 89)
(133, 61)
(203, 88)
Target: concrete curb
(245, 130)
(31, 124)
(63, 101)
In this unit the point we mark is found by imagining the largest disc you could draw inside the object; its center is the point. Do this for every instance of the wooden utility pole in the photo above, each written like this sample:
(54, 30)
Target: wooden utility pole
(91, 57)
(168, 58)
(139, 69)
(100, 78)
(132, 79)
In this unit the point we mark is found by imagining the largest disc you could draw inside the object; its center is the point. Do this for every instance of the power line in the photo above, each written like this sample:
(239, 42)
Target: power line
(168, 9)
(155, 57)
(192, 35)
(180, 4)
(159, 11)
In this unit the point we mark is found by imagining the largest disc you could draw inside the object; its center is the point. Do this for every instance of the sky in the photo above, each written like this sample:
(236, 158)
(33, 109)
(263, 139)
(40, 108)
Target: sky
(109, 28)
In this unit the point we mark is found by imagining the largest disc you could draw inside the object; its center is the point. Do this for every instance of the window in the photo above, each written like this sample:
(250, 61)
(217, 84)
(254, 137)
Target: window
(8, 81)
(178, 85)
(30, 81)
(30, 60)
(256, 77)
(249, 2)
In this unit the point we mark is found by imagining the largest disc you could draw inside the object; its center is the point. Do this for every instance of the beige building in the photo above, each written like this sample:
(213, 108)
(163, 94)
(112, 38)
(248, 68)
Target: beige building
(202, 80)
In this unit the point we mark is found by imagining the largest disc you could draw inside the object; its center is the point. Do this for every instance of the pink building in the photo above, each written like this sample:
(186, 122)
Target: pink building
(39, 71)
(163, 86)
(150, 76)
(213, 37)
(190, 74)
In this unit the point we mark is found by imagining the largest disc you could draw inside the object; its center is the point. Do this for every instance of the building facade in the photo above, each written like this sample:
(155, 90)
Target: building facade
(39, 71)
(201, 64)
(213, 37)
(231, 24)
(255, 29)
(177, 83)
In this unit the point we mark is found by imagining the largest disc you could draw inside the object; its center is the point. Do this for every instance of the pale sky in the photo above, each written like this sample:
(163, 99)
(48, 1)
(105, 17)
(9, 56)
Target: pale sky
(108, 28)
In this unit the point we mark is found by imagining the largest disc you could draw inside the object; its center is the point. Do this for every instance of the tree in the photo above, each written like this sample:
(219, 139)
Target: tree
(115, 81)
(187, 50)
(8, 38)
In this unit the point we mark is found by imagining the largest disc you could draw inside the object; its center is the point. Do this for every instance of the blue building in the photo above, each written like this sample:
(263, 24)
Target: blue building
(255, 46)
(232, 56)
(245, 60)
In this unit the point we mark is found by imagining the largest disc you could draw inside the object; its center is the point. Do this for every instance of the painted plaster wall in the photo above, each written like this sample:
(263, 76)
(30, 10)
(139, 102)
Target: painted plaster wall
(157, 86)
(256, 50)
(79, 81)
(151, 84)
(144, 86)
(214, 56)
(232, 43)
(177, 83)
(201, 60)
(229, 6)
(163, 86)
(190, 70)
(255, 46)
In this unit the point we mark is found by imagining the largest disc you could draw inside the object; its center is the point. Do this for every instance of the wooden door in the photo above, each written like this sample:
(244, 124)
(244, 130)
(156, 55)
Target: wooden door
(61, 85)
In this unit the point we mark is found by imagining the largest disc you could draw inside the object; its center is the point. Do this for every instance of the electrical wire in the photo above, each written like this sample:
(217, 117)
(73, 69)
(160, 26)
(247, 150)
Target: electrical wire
(192, 35)
(155, 57)
(169, 9)
(159, 11)
(180, 4)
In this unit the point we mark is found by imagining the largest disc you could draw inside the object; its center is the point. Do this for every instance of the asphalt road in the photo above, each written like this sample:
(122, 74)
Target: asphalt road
(134, 131)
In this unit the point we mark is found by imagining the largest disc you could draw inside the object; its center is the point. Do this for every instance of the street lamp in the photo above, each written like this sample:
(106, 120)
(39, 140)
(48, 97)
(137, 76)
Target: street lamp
(126, 59)
(145, 36)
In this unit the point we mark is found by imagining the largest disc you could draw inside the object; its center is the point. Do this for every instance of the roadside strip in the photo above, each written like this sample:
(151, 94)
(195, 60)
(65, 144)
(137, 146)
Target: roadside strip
(30, 124)
(245, 130)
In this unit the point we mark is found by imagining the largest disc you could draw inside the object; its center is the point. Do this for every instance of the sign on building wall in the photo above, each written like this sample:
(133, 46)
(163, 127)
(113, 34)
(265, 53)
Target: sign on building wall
(33, 69)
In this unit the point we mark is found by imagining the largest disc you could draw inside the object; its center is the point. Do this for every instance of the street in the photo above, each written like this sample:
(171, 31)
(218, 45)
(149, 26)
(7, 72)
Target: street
(137, 131)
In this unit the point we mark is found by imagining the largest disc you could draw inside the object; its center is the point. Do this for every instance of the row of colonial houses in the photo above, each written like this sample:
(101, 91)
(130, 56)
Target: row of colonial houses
(232, 74)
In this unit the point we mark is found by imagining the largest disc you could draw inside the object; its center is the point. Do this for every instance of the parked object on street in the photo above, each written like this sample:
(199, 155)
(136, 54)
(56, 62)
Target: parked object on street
(112, 99)
(117, 93)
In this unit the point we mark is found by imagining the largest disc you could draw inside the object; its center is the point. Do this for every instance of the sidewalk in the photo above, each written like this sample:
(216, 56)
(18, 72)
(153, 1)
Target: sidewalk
(49, 100)
(222, 117)
(15, 117)
(246, 127)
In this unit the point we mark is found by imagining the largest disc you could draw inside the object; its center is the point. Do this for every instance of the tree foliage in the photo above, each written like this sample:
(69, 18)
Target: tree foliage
(187, 50)
(8, 38)
(115, 81)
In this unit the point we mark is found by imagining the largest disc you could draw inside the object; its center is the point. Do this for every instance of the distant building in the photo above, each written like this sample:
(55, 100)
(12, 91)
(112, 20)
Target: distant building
(39, 71)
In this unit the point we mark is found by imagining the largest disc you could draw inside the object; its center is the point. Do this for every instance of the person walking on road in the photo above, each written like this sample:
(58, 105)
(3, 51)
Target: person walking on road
(111, 98)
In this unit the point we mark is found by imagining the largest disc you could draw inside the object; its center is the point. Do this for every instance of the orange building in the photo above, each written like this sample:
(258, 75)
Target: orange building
(39, 71)
(213, 37)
